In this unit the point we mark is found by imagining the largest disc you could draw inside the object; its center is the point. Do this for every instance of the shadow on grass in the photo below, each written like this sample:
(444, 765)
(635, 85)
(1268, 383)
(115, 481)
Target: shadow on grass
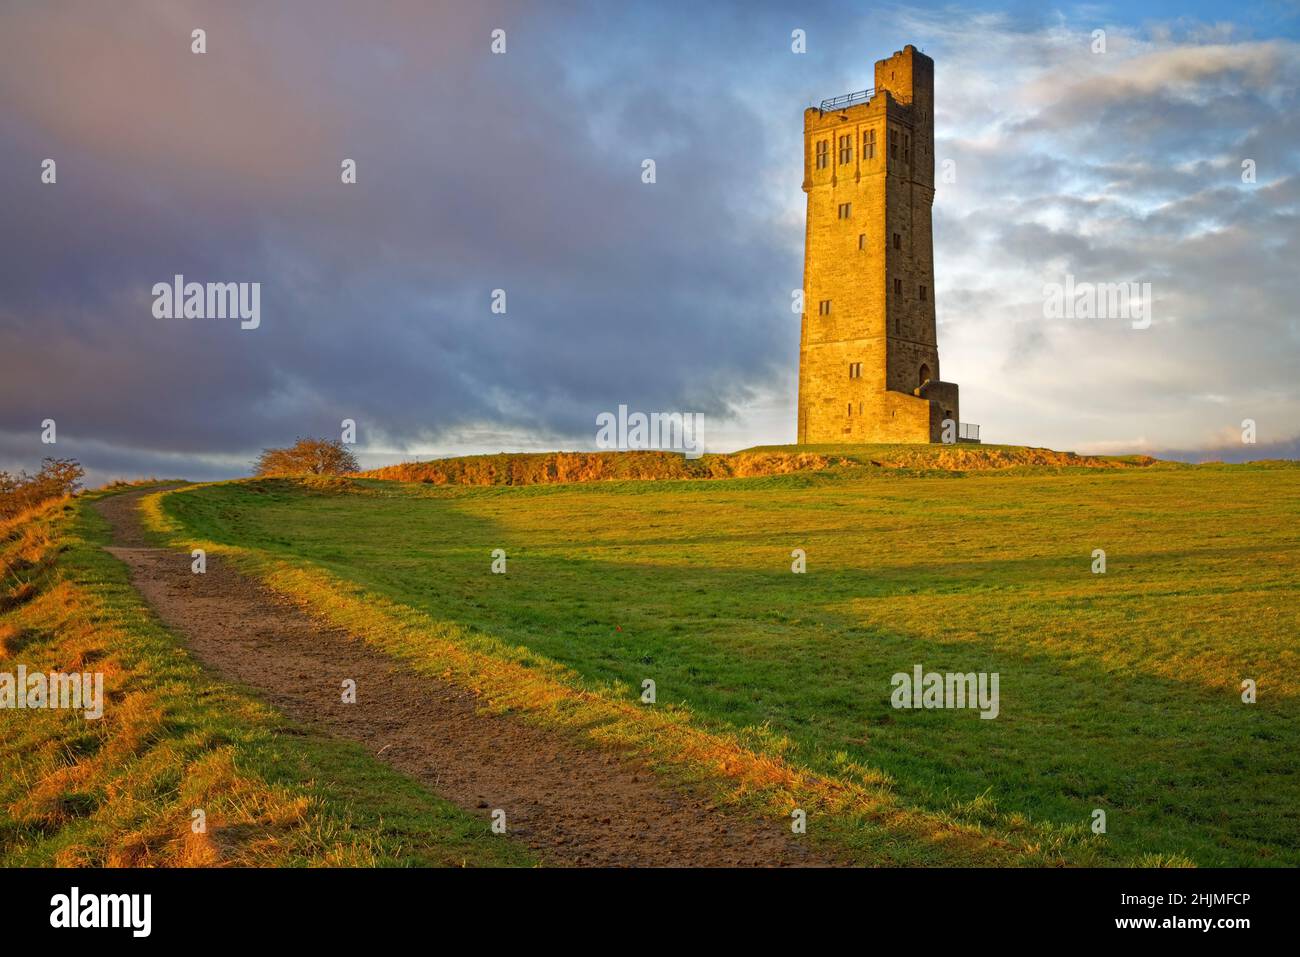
(1178, 767)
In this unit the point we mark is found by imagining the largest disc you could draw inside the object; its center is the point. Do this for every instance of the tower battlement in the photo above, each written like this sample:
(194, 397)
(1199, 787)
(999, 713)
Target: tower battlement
(868, 353)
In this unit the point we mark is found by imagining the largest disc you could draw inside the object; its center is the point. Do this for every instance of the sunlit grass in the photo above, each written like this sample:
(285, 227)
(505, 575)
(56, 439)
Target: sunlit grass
(121, 790)
(1119, 691)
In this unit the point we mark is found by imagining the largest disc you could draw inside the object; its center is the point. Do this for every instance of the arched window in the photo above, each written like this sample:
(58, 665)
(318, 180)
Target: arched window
(925, 374)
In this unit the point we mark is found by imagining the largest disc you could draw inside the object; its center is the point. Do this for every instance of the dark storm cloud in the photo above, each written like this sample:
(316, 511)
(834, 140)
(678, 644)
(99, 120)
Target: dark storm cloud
(523, 172)
(475, 173)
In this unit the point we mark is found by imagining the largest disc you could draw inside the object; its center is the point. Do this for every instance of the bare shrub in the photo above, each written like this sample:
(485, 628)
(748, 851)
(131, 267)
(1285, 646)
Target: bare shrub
(57, 478)
(307, 457)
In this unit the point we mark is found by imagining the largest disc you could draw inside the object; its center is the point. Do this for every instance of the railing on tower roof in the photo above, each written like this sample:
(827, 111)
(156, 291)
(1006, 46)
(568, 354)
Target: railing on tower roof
(847, 100)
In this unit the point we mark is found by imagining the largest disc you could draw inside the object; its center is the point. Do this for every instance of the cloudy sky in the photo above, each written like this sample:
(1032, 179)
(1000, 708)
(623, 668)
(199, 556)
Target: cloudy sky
(522, 171)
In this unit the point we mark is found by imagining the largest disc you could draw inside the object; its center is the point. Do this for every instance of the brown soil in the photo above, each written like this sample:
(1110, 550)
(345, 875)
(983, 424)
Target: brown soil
(573, 805)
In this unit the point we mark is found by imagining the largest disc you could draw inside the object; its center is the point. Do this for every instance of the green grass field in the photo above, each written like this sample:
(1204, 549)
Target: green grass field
(1119, 691)
(121, 790)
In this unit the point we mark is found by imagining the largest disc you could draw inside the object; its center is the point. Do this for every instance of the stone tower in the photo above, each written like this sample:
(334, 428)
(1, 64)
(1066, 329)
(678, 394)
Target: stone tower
(868, 355)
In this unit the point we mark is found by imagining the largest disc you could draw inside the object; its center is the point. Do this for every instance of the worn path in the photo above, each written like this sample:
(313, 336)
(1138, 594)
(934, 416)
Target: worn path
(573, 805)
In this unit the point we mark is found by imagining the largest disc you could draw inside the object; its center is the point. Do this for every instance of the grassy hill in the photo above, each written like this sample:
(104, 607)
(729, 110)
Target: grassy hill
(1119, 691)
(121, 790)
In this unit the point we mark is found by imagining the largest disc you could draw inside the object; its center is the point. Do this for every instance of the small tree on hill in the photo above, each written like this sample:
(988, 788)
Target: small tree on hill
(307, 457)
(57, 478)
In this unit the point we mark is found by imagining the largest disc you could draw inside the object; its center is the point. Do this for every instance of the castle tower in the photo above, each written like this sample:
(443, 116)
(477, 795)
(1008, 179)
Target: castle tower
(868, 354)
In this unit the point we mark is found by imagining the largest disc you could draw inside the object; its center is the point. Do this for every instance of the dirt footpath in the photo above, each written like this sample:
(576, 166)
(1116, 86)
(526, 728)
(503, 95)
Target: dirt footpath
(573, 805)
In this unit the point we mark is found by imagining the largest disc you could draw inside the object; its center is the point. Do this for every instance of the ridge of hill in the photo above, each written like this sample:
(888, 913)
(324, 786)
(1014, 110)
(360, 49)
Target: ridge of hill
(542, 468)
